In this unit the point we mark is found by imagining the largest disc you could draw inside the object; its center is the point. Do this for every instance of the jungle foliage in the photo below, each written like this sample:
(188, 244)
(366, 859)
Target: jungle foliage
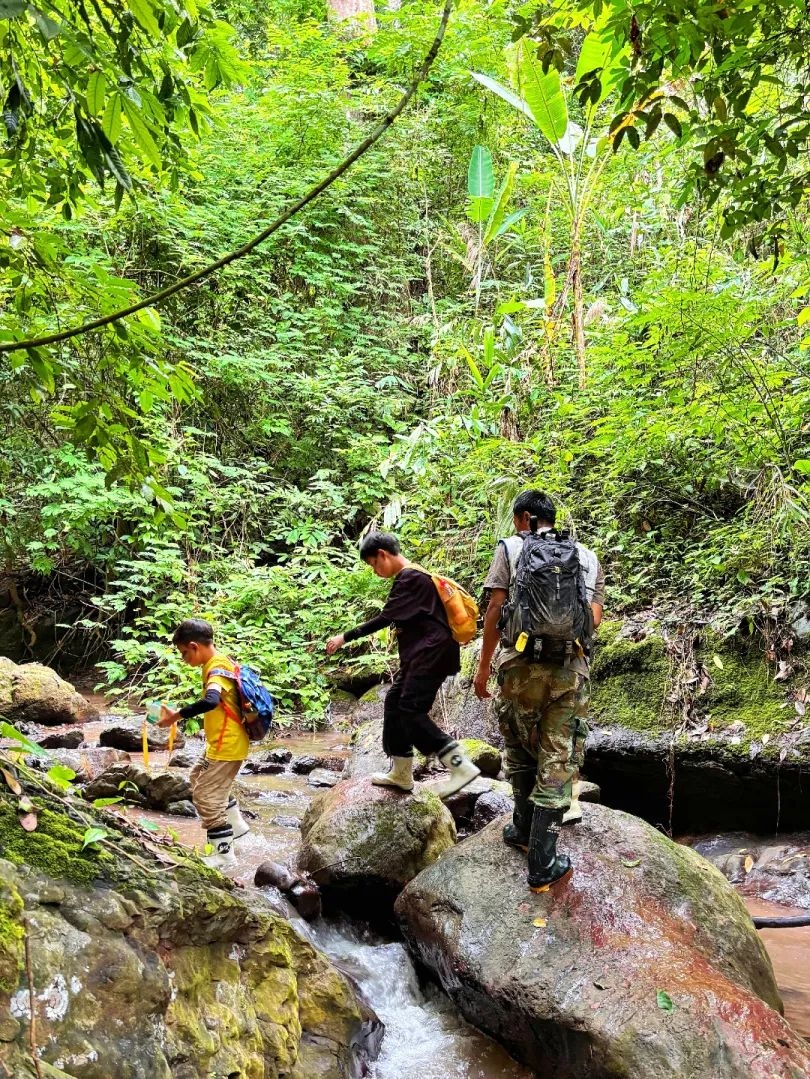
(501, 294)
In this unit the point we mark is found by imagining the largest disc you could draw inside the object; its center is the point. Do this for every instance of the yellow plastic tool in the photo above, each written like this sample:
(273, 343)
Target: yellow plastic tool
(521, 642)
(172, 736)
(145, 743)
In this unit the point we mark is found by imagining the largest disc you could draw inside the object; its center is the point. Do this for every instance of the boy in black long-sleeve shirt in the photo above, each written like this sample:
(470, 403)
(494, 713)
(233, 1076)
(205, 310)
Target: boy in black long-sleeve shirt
(427, 654)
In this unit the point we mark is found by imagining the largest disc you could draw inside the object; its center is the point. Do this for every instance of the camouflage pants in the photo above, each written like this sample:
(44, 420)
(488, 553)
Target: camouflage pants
(542, 712)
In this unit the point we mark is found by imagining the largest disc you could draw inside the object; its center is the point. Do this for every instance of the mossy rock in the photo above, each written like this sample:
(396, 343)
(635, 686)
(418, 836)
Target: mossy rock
(484, 756)
(631, 681)
(202, 981)
(11, 932)
(367, 842)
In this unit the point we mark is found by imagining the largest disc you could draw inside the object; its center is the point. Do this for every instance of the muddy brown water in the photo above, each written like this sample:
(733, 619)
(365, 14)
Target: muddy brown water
(425, 1037)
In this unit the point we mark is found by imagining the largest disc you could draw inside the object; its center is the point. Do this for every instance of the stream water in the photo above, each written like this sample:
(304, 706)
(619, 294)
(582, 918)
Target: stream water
(425, 1037)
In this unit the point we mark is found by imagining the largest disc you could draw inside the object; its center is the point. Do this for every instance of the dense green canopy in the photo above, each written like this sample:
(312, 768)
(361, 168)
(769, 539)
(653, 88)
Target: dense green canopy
(530, 281)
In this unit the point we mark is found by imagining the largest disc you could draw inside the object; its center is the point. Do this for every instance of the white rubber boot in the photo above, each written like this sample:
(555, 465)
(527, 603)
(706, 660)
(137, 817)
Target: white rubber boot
(462, 771)
(223, 857)
(400, 775)
(236, 820)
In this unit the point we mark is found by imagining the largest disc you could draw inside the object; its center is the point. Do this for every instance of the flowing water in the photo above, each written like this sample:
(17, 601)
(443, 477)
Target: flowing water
(424, 1036)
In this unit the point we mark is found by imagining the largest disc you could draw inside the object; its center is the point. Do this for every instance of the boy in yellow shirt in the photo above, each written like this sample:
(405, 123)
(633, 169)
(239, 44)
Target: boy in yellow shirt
(226, 741)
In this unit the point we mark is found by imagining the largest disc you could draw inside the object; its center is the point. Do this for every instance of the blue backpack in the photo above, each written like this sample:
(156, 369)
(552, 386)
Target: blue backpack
(255, 700)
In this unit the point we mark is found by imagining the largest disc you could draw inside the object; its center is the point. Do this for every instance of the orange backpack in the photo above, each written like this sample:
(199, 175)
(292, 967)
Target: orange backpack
(459, 606)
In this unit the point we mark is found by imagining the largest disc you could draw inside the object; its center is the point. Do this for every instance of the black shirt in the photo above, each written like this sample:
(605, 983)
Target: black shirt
(425, 643)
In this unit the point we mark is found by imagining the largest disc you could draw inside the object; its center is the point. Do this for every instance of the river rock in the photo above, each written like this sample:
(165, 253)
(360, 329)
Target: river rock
(322, 777)
(484, 756)
(489, 807)
(362, 843)
(135, 784)
(86, 763)
(63, 738)
(141, 974)
(462, 804)
(775, 869)
(366, 741)
(186, 757)
(264, 768)
(298, 888)
(577, 982)
(128, 735)
(33, 693)
(184, 808)
(302, 766)
(740, 763)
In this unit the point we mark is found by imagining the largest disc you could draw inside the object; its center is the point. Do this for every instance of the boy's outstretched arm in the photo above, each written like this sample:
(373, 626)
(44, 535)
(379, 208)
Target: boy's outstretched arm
(204, 704)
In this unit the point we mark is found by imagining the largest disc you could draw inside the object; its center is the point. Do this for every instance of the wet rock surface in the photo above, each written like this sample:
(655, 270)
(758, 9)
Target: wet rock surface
(298, 888)
(86, 763)
(63, 738)
(776, 869)
(321, 777)
(366, 742)
(135, 784)
(570, 981)
(33, 693)
(362, 843)
(188, 756)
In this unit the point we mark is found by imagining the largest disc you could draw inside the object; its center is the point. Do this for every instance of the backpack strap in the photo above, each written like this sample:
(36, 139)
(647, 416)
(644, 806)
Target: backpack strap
(513, 545)
(233, 676)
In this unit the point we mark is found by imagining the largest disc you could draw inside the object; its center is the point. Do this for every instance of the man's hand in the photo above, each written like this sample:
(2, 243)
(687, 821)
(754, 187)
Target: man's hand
(480, 684)
(168, 717)
(334, 643)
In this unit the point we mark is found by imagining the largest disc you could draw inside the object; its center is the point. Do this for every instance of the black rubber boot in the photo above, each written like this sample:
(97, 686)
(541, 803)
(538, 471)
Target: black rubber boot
(516, 834)
(545, 865)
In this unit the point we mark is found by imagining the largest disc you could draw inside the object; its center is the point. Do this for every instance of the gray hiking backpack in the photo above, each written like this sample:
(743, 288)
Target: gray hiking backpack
(548, 600)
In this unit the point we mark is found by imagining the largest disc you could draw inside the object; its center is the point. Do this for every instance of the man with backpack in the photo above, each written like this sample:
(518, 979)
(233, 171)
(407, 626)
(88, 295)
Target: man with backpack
(428, 653)
(546, 595)
(228, 732)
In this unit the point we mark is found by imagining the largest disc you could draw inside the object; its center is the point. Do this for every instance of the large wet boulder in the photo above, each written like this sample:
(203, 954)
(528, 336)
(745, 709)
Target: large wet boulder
(362, 844)
(144, 970)
(644, 963)
(33, 693)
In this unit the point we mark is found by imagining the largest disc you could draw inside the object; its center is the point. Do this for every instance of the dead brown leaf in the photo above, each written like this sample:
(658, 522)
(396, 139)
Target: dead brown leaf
(12, 782)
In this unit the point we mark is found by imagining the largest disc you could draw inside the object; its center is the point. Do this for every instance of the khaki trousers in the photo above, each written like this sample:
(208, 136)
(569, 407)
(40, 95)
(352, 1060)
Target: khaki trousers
(211, 783)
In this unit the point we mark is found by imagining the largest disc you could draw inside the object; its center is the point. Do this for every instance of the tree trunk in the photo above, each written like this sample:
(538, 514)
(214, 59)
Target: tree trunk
(578, 317)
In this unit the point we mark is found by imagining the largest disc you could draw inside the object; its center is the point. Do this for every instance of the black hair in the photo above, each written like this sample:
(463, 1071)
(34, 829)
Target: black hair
(375, 542)
(194, 631)
(536, 504)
